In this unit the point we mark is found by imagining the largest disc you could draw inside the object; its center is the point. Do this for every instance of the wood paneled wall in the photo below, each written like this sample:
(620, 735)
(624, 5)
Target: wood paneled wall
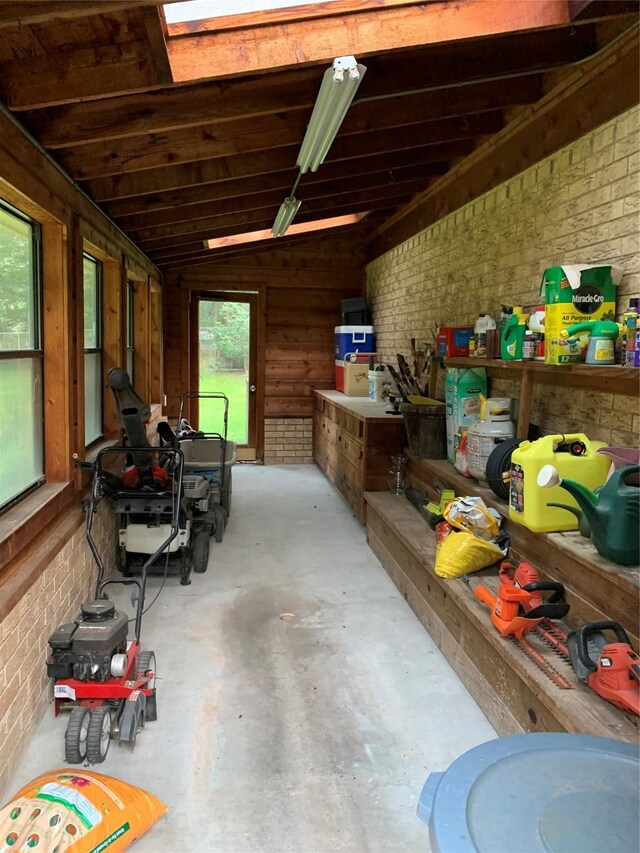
(301, 288)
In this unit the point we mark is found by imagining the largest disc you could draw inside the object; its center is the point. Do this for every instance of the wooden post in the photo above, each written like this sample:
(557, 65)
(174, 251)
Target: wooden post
(526, 394)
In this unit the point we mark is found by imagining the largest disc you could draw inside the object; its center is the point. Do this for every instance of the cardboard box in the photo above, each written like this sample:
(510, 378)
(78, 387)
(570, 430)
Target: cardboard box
(576, 294)
(352, 374)
(453, 340)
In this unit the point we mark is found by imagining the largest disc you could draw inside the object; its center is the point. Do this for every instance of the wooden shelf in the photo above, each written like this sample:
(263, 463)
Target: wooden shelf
(513, 693)
(596, 588)
(613, 379)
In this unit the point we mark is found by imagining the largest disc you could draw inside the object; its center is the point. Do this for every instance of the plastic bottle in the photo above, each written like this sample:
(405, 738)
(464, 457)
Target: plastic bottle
(484, 324)
(513, 336)
(505, 315)
(536, 325)
(528, 346)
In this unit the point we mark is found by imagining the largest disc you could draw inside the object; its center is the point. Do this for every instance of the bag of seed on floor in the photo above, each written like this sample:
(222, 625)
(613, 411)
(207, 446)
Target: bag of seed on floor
(66, 811)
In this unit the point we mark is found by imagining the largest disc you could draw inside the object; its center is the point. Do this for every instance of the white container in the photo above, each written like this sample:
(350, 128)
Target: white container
(484, 435)
(485, 323)
(377, 381)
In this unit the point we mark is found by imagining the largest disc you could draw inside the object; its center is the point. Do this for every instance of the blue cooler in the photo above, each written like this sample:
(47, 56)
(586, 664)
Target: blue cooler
(353, 339)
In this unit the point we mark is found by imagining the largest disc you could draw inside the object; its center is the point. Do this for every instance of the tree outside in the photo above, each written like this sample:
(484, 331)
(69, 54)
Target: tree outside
(224, 365)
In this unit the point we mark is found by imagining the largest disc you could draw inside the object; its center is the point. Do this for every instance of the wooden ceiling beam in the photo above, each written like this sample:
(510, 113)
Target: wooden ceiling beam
(95, 161)
(156, 237)
(166, 224)
(156, 29)
(313, 210)
(283, 244)
(275, 46)
(23, 14)
(417, 158)
(154, 189)
(66, 77)
(204, 103)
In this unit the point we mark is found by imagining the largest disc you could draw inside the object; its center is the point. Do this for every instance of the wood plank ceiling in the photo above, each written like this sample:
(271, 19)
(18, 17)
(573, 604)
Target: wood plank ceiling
(188, 132)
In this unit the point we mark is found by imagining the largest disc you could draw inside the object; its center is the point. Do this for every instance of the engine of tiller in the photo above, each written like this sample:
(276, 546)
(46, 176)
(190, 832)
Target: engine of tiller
(83, 649)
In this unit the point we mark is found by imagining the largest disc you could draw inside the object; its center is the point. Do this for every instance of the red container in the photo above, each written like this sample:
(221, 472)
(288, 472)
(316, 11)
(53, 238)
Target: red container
(453, 340)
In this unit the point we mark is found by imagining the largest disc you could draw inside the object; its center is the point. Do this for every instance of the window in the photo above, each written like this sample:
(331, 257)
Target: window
(131, 289)
(92, 349)
(21, 407)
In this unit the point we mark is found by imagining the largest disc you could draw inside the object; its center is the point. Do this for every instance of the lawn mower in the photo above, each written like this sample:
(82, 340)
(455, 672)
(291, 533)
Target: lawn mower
(208, 460)
(144, 519)
(107, 681)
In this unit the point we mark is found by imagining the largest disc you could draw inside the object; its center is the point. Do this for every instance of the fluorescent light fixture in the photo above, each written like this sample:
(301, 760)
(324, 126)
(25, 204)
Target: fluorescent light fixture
(337, 90)
(285, 215)
(301, 228)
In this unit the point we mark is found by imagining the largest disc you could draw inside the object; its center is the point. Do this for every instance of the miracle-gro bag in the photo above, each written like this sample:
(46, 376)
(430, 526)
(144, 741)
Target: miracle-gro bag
(76, 812)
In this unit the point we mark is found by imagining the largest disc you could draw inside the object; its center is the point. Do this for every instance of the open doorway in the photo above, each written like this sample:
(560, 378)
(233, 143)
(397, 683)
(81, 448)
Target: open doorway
(227, 364)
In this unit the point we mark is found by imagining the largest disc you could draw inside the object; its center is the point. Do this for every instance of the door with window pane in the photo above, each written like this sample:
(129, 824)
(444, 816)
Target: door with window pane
(227, 364)
(21, 410)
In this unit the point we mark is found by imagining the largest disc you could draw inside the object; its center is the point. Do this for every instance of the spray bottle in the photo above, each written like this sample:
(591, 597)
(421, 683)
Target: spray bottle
(513, 336)
(603, 333)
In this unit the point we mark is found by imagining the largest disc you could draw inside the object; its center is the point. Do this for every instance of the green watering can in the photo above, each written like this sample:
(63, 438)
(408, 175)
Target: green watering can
(612, 512)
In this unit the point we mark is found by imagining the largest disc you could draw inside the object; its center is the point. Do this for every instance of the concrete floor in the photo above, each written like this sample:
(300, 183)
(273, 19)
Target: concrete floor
(309, 734)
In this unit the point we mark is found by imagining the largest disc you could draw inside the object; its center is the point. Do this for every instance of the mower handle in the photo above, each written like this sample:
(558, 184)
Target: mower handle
(582, 635)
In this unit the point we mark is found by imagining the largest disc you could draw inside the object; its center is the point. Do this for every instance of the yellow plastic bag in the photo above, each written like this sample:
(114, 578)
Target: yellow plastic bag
(461, 553)
(77, 812)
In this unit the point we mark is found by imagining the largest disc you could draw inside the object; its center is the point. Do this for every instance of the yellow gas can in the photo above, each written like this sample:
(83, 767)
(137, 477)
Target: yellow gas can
(574, 456)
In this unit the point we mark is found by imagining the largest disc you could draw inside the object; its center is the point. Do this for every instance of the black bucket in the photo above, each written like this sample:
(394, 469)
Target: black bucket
(426, 428)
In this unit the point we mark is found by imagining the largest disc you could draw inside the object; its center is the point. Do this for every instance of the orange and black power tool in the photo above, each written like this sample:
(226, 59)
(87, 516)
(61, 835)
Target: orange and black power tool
(524, 575)
(511, 611)
(612, 670)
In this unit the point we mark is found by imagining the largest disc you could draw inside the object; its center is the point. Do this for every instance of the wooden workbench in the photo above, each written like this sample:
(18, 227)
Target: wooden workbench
(353, 440)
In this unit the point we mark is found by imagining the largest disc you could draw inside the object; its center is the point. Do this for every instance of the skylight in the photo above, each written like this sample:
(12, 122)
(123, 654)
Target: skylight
(195, 10)
(300, 228)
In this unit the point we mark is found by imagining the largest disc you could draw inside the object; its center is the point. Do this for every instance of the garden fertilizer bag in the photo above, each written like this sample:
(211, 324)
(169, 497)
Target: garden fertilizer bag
(76, 812)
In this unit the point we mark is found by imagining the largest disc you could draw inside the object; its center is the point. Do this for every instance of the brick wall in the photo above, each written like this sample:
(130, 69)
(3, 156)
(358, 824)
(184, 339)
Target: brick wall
(54, 598)
(580, 205)
(288, 440)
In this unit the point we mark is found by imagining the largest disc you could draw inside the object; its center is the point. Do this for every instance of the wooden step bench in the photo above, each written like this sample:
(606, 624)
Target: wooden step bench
(513, 693)
(595, 588)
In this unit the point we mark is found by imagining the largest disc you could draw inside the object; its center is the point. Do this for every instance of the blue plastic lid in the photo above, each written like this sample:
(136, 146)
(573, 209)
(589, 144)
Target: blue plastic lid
(557, 793)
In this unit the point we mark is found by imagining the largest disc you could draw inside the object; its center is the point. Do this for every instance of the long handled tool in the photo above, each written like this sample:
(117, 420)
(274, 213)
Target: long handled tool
(507, 618)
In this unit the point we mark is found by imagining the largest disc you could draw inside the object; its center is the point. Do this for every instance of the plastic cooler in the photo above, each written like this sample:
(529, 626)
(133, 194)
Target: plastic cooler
(353, 339)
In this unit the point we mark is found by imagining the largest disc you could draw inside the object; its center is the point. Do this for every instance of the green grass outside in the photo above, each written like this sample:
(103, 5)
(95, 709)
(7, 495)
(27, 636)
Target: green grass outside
(234, 385)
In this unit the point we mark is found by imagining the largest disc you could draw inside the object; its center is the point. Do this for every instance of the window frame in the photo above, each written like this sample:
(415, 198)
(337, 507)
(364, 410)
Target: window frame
(130, 340)
(97, 350)
(37, 351)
